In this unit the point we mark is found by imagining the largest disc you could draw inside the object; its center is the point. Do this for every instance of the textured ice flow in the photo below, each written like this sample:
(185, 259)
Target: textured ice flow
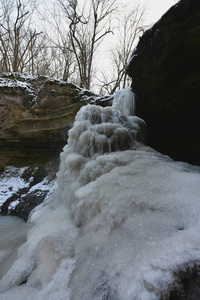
(124, 101)
(122, 221)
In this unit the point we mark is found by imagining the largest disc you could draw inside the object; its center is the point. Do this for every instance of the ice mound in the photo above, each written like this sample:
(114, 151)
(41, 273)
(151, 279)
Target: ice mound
(97, 133)
(120, 222)
(102, 129)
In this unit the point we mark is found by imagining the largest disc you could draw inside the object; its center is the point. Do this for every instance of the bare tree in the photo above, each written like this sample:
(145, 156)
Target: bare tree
(17, 38)
(63, 63)
(131, 25)
(66, 49)
(88, 25)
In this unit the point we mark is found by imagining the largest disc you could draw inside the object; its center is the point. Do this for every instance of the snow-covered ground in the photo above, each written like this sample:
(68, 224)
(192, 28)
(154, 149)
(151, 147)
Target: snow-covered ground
(120, 222)
(12, 181)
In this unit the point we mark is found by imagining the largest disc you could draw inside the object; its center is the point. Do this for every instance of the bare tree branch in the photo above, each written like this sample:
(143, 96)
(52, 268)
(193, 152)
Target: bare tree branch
(130, 27)
(87, 28)
(16, 36)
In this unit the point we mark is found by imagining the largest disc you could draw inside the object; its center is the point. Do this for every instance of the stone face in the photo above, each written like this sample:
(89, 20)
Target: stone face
(165, 71)
(35, 116)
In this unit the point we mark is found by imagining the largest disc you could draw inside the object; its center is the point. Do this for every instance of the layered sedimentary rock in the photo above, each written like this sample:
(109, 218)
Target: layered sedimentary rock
(35, 116)
(165, 71)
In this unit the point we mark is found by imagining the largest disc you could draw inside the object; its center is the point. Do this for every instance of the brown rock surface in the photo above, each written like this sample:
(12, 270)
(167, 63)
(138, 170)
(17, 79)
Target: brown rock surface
(35, 116)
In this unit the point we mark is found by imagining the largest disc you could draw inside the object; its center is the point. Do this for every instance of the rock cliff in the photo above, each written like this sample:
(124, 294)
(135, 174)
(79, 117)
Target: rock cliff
(165, 71)
(35, 116)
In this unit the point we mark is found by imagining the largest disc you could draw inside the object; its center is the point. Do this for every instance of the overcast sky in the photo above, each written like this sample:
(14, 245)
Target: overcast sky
(157, 8)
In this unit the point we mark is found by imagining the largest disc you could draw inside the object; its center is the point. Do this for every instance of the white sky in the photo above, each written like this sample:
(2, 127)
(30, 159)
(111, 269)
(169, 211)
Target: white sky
(156, 8)
(159, 7)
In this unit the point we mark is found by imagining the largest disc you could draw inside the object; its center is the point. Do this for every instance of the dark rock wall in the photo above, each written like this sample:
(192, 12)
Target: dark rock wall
(165, 71)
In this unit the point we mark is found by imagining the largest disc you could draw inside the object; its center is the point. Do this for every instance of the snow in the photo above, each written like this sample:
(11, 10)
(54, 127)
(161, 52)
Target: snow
(119, 223)
(22, 76)
(14, 83)
(10, 182)
(44, 185)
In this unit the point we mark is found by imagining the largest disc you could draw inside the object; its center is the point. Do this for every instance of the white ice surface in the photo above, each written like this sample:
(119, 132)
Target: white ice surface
(124, 101)
(120, 223)
(13, 233)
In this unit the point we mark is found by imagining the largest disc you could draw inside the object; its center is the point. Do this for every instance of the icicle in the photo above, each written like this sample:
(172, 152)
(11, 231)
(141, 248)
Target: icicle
(124, 101)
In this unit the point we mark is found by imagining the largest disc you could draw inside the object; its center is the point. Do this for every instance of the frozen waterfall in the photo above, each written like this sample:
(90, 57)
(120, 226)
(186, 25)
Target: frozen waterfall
(124, 101)
(120, 222)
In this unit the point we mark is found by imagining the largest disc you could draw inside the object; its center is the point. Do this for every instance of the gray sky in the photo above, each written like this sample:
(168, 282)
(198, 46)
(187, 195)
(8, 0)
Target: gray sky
(156, 8)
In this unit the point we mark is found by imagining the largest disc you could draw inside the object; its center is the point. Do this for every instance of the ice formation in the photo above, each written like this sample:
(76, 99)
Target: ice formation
(121, 220)
(124, 101)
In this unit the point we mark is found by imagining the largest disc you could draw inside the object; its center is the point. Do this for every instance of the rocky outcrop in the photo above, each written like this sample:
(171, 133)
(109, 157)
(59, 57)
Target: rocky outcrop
(165, 71)
(35, 116)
